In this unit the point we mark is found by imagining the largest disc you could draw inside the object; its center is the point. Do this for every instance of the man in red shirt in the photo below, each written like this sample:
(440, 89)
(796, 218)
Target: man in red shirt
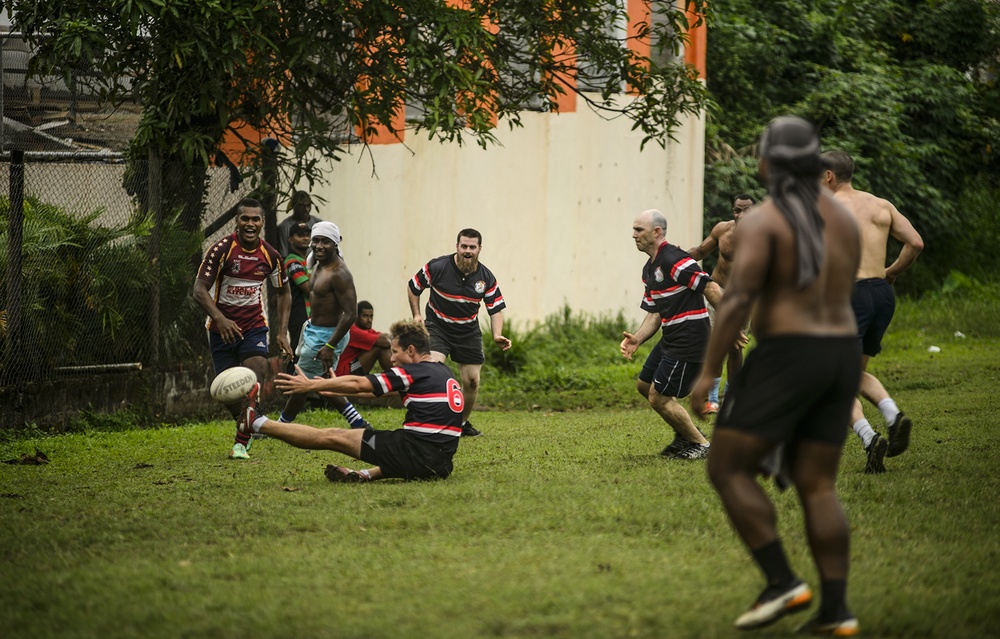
(365, 346)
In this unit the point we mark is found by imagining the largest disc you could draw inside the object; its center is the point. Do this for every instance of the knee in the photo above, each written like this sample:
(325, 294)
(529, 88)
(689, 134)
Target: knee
(643, 388)
(471, 383)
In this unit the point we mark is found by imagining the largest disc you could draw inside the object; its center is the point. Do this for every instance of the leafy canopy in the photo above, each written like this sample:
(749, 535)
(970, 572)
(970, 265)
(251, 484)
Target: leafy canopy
(313, 71)
(907, 87)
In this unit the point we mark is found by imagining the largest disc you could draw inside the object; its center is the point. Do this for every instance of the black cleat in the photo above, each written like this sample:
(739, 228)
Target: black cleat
(339, 474)
(876, 455)
(899, 435)
(468, 430)
(675, 446)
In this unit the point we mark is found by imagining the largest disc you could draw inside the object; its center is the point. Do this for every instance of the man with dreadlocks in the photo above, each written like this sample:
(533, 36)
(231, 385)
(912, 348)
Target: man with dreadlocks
(795, 269)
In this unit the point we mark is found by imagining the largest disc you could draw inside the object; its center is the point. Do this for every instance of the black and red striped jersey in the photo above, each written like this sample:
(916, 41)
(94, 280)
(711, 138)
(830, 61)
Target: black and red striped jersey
(236, 276)
(455, 296)
(432, 397)
(675, 284)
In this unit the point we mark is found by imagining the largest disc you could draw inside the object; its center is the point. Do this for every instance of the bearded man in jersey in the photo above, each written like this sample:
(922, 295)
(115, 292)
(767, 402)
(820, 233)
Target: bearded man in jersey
(422, 449)
(458, 284)
(228, 287)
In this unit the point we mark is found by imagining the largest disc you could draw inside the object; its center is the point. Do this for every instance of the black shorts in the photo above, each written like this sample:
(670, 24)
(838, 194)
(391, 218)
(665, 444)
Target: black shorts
(463, 345)
(670, 377)
(795, 387)
(225, 356)
(874, 303)
(405, 455)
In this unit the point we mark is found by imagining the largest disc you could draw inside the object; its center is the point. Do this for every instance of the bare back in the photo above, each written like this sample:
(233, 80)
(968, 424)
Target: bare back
(874, 216)
(767, 263)
(332, 292)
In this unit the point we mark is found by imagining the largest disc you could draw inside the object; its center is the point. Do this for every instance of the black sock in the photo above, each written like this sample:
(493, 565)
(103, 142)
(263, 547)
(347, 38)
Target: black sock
(833, 600)
(774, 564)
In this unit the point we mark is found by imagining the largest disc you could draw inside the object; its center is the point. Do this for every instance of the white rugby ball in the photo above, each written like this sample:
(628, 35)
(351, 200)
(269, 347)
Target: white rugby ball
(232, 384)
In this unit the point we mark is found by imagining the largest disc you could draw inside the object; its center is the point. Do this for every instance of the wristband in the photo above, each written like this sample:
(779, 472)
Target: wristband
(332, 348)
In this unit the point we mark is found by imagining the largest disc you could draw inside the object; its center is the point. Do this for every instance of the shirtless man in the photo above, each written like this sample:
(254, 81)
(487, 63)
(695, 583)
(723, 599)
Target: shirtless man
(333, 306)
(874, 301)
(795, 270)
(723, 237)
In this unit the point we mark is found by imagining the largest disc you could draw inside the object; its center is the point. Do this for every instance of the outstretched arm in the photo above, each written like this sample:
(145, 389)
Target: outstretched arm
(299, 384)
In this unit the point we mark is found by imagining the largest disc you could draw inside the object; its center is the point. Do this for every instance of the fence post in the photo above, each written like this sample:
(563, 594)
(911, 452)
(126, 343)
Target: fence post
(155, 237)
(15, 246)
(269, 200)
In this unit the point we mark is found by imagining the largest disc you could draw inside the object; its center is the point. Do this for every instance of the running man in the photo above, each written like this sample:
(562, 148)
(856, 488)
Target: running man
(458, 284)
(723, 237)
(228, 287)
(794, 270)
(674, 301)
(874, 301)
(422, 449)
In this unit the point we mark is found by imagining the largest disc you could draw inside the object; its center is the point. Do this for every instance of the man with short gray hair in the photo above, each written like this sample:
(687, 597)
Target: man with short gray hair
(674, 301)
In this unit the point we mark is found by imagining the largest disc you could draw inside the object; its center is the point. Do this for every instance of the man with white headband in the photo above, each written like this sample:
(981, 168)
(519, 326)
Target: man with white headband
(333, 304)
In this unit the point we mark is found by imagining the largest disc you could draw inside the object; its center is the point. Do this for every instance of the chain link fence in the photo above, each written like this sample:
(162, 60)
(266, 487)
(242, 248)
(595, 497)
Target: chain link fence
(97, 252)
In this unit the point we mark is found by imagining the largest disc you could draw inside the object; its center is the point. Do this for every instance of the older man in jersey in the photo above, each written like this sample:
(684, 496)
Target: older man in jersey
(674, 301)
(422, 449)
(459, 283)
(228, 287)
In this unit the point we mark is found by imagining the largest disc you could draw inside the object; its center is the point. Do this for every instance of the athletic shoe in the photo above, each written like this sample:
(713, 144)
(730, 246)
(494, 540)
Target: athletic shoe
(239, 451)
(692, 451)
(675, 446)
(844, 628)
(771, 606)
(249, 410)
(710, 408)
(343, 475)
(364, 424)
(899, 435)
(876, 455)
(468, 430)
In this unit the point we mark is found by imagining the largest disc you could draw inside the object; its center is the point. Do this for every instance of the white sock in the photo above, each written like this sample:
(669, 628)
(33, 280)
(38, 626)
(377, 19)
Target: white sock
(889, 409)
(257, 423)
(865, 431)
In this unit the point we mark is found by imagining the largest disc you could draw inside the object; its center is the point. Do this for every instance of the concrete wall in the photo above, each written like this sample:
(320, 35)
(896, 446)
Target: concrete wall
(555, 204)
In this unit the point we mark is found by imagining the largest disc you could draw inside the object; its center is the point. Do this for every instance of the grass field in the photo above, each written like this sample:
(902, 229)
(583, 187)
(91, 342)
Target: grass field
(554, 524)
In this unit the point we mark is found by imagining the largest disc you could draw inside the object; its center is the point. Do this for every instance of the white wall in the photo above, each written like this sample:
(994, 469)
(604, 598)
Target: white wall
(555, 204)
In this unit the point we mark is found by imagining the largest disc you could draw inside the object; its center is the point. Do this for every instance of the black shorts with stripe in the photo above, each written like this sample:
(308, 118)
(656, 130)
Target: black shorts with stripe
(670, 377)
(406, 455)
(464, 343)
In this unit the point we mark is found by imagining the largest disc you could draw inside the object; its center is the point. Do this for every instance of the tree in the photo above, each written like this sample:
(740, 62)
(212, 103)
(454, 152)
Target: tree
(311, 71)
(908, 87)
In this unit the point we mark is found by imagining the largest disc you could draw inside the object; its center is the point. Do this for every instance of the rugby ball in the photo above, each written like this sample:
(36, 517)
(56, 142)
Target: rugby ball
(232, 384)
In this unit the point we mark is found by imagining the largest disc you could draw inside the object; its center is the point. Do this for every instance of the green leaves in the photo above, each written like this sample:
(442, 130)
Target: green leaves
(313, 71)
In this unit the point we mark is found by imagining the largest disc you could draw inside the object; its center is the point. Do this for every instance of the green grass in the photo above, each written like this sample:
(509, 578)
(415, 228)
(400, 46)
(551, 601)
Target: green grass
(554, 524)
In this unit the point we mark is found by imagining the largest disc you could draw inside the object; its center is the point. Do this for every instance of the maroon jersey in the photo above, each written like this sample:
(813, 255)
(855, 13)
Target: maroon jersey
(236, 277)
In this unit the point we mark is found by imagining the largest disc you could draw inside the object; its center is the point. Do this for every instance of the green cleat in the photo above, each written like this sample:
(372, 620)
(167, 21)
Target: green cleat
(239, 451)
